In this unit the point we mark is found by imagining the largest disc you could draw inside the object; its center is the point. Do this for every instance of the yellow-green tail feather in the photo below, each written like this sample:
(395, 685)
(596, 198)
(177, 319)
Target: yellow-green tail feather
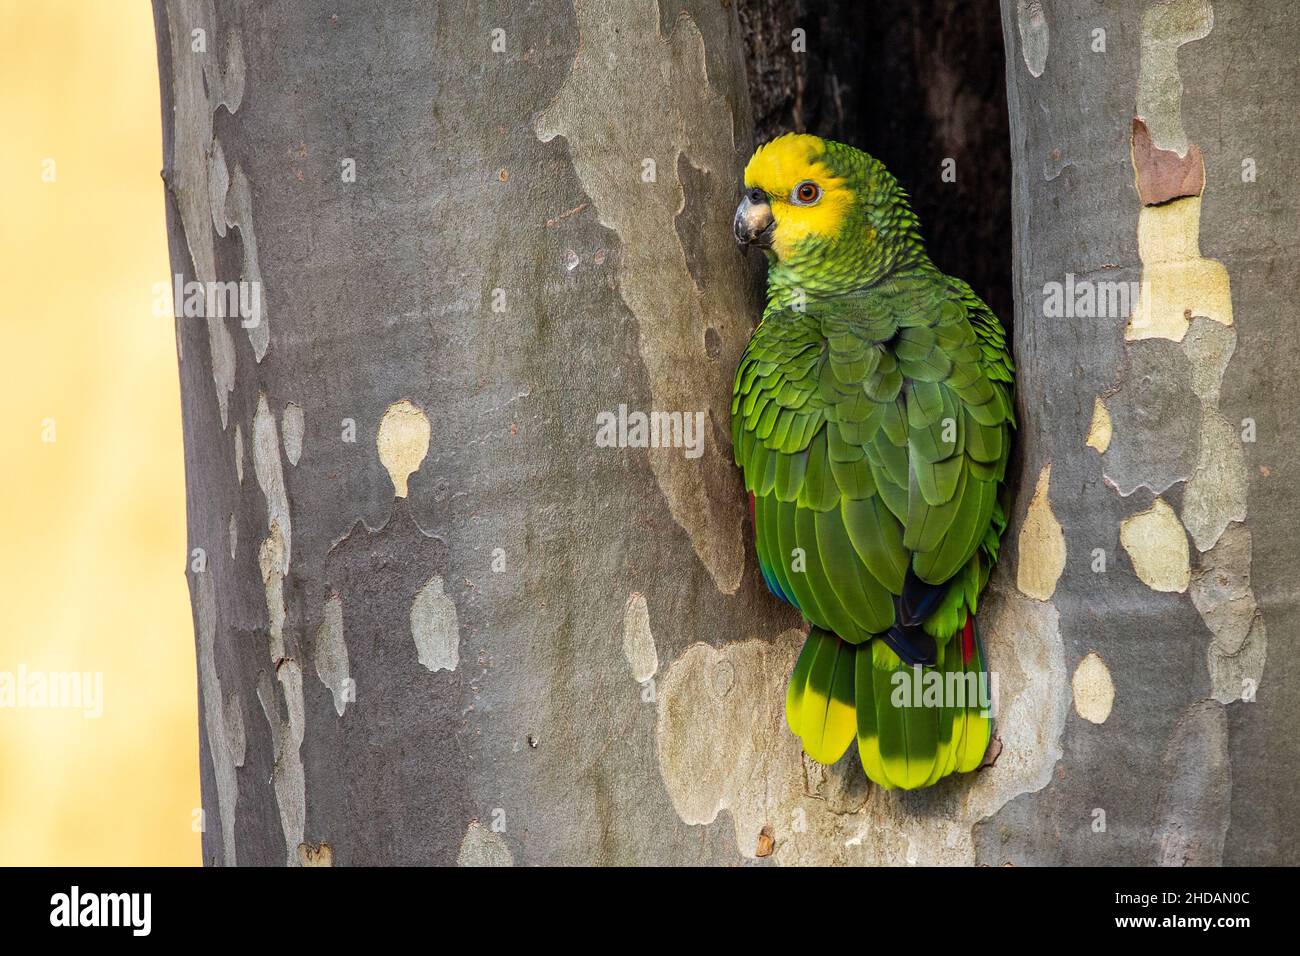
(913, 726)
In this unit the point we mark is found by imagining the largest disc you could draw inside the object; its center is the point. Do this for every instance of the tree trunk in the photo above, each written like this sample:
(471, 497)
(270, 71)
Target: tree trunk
(1155, 287)
(440, 620)
(436, 617)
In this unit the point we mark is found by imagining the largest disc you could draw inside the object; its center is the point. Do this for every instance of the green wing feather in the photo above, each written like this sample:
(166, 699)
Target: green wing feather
(873, 432)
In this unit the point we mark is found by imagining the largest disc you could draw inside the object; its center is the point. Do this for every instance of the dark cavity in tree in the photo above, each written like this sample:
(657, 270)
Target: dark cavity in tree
(913, 84)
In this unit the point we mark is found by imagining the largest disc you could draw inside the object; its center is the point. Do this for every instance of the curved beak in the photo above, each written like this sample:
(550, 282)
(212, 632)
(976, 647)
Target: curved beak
(754, 223)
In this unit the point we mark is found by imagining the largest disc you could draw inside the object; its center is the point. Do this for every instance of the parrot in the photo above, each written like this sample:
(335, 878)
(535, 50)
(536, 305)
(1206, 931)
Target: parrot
(871, 415)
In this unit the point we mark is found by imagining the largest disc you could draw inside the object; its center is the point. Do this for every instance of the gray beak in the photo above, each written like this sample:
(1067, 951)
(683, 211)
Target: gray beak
(754, 222)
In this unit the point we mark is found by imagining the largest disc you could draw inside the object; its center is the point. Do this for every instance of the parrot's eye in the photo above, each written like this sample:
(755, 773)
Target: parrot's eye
(806, 193)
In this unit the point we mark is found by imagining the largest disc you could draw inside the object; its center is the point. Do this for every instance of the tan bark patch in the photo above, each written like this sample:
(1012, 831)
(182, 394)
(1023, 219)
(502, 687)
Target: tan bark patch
(322, 855)
(403, 441)
(1157, 545)
(1042, 544)
(1099, 431)
(1177, 283)
(1094, 692)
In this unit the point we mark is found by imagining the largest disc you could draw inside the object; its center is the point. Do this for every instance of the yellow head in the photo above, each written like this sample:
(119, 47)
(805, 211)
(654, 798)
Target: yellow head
(805, 196)
(830, 218)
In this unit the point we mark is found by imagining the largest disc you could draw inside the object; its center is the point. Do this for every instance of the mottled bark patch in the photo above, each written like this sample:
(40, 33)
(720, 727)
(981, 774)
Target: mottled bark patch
(723, 744)
(632, 163)
(1040, 556)
(1196, 798)
(1162, 174)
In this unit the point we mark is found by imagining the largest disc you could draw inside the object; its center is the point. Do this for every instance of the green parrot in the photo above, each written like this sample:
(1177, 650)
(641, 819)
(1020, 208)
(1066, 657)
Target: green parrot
(871, 418)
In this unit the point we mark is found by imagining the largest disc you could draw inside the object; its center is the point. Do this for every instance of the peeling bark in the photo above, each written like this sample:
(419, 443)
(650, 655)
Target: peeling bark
(412, 620)
(1166, 422)
(530, 648)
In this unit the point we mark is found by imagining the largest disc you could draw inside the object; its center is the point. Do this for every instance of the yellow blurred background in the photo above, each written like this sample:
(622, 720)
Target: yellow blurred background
(93, 522)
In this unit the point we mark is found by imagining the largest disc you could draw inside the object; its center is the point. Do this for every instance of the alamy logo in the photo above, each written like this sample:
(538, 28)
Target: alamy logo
(217, 300)
(919, 687)
(54, 690)
(651, 430)
(1085, 299)
(103, 909)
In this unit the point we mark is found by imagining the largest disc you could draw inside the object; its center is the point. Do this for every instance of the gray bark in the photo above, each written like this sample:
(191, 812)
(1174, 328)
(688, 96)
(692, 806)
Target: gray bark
(1185, 767)
(487, 715)
(438, 623)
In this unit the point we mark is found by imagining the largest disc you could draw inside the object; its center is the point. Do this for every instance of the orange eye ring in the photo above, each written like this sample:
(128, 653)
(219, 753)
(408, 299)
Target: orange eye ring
(806, 193)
